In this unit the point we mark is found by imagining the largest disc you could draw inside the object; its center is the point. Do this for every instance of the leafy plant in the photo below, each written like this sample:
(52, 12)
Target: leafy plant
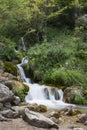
(19, 92)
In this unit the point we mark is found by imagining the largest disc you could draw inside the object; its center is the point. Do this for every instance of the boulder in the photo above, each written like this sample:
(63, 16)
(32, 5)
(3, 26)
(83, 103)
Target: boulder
(70, 111)
(18, 88)
(3, 118)
(33, 107)
(73, 94)
(82, 118)
(37, 108)
(5, 94)
(42, 108)
(55, 114)
(16, 100)
(9, 114)
(38, 120)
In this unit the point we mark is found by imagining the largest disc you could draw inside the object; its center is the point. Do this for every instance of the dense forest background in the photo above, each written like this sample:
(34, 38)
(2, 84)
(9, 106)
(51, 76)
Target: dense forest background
(54, 33)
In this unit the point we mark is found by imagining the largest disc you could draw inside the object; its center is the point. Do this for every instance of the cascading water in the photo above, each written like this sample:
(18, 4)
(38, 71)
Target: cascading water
(41, 94)
(23, 44)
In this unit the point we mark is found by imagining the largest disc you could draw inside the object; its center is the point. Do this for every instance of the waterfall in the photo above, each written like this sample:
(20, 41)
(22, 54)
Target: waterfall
(23, 44)
(41, 94)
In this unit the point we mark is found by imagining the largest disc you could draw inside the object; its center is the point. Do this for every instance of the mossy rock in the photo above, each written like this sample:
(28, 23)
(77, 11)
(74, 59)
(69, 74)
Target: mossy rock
(19, 89)
(11, 68)
(19, 92)
(26, 87)
(1, 106)
(42, 108)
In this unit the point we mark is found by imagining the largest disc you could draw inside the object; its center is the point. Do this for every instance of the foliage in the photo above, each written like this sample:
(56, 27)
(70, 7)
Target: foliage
(62, 77)
(7, 51)
(78, 99)
(29, 19)
(1, 64)
(81, 27)
(19, 92)
(57, 62)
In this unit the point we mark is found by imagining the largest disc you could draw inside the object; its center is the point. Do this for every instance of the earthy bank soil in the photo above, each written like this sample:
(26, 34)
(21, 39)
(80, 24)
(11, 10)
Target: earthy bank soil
(18, 124)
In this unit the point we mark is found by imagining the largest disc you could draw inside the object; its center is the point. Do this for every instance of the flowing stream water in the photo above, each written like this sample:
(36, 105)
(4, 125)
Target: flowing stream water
(41, 94)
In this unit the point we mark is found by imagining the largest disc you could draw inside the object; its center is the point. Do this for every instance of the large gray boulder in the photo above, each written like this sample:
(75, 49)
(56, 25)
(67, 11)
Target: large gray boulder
(38, 120)
(5, 94)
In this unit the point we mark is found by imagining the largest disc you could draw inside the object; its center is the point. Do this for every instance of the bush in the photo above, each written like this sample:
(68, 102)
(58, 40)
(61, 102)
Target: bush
(45, 56)
(19, 92)
(78, 99)
(81, 27)
(63, 77)
(7, 52)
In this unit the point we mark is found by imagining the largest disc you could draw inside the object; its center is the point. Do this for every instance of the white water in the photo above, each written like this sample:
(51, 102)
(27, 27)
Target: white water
(41, 94)
(23, 44)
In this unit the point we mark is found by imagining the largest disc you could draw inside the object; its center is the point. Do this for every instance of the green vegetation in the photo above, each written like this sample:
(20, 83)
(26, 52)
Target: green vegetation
(9, 67)
(19, 92)
(55, 34)
(58, 62)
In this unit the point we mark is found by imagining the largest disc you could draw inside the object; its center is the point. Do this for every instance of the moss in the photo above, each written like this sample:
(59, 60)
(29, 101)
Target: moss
(26, 87)
(19, 89)
(9, 67)
(42, 108)
(1, 106)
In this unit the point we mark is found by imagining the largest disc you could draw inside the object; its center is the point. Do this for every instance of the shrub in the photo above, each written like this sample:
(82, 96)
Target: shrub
(79, 99)
(7, 52)
(81, 27)
(19, 92)
(63, 77)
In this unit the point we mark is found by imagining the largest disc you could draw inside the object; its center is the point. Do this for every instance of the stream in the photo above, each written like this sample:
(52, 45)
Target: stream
(41, 94)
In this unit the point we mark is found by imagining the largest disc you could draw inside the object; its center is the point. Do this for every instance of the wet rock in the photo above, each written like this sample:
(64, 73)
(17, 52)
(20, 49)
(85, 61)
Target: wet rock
(41, 108)
(5, 94)
(38, 120)
(55, 114)
(33, 107)
(9, 114)
(16, 100)
(7, 105)
(82, 118)
(70, 111)
(19, 109)
(46, 92)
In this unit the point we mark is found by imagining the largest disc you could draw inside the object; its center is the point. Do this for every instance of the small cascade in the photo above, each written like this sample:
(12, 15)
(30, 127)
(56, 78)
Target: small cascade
(41, 94)
(21, 71)
(46, 93)
(23, 44)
